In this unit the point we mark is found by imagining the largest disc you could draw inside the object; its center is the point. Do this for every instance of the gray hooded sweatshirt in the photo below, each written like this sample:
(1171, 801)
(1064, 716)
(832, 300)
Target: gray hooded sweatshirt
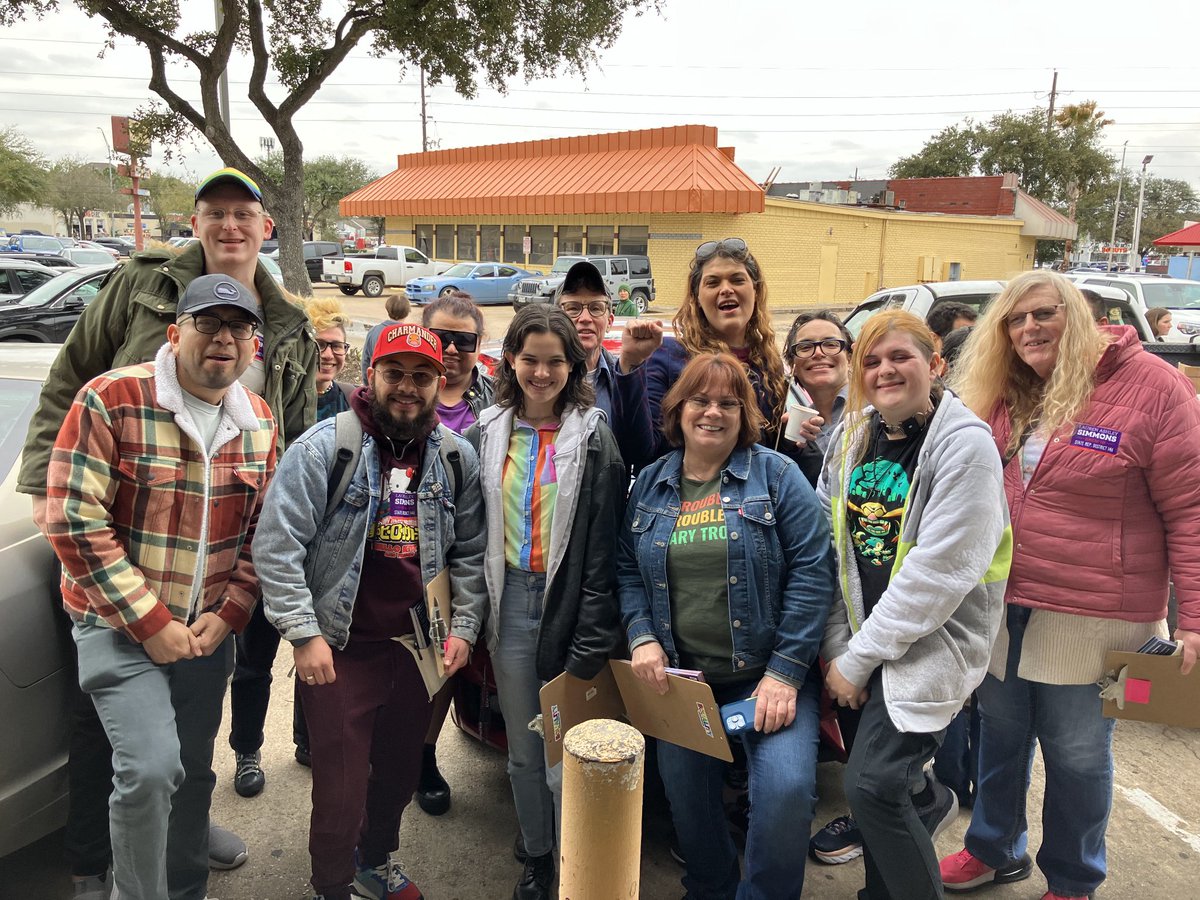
(934, 627)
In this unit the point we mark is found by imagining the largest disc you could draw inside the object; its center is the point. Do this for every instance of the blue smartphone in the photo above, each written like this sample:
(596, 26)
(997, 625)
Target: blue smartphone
(738, 716)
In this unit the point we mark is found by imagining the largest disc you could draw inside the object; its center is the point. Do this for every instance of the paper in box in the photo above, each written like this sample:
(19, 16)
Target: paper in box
(686, 715)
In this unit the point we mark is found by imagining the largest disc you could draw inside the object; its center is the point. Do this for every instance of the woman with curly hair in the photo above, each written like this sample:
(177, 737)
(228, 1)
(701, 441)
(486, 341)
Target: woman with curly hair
(724, 311)
(1098, 441)
(553, 491)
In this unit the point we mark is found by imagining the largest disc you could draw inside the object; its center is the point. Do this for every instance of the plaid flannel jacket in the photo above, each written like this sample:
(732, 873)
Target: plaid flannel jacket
(128, 492)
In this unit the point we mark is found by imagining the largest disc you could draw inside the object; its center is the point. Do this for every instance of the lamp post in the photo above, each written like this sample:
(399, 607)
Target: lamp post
(1135, 256)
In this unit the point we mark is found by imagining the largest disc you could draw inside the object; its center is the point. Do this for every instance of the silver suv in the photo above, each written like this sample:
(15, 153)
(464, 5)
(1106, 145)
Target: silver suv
(632, 270)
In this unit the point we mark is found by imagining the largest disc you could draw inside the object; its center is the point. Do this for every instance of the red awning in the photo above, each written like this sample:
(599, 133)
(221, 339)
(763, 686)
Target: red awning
(1184, 237)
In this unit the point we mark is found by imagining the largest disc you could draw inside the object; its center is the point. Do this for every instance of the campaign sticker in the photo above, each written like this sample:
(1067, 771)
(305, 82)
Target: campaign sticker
(556, 722)
(1093, 437)
(703, 714)
(1137, 690)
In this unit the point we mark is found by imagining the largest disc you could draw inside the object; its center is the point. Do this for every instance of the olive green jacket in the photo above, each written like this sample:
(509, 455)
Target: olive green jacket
(127, 324)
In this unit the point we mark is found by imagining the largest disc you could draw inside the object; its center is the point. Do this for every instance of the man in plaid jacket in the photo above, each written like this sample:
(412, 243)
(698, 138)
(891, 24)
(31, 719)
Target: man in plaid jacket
(153, 491)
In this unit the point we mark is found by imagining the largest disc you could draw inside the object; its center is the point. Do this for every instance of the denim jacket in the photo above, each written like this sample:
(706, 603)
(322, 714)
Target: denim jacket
(780, 569)
(310, 559)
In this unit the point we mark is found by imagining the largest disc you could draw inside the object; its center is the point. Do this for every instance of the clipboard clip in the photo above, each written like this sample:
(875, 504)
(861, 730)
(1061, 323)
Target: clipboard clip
(1112, 686)
(439, 631)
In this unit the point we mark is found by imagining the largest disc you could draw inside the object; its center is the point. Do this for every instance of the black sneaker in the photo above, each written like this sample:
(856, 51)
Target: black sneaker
(536, 878)
(838, 842)
(304, 755)
(433, 792)
(941, 813)
(248, 778)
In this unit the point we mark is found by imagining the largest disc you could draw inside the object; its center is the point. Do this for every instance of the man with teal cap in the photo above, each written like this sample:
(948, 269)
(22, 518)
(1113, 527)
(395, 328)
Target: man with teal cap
(126, 324)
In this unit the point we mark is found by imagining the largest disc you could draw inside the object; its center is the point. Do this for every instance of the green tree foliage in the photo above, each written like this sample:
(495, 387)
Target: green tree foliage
(302, 42)
(75, 188)
(327, 179)
(1167, 204)
(22, 171)
(948, 154)
(171, 199)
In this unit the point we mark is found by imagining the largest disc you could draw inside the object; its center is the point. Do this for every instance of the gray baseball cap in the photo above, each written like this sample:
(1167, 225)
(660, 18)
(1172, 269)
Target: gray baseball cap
(217, 290)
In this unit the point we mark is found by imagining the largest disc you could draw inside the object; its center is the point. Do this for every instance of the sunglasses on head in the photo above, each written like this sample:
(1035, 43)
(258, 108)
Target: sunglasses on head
(464, 341)
(734, 246)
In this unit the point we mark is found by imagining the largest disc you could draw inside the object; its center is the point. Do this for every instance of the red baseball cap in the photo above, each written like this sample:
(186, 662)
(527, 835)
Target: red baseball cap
(408, 338)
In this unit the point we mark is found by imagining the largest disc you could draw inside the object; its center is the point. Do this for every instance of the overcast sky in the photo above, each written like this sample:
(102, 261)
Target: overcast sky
(823, 90)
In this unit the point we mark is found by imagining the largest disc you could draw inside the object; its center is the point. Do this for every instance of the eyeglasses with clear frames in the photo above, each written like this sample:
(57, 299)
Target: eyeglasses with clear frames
(1041, 314)
(241, 216)
(596, 309)
(725, 404)
(421, 379)
(240, 329)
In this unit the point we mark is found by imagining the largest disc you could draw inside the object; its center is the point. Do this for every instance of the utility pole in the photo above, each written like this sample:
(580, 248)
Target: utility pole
(219, 13)
(424, 133)
(1117, 208)
(1134, 255)
(1053, 95)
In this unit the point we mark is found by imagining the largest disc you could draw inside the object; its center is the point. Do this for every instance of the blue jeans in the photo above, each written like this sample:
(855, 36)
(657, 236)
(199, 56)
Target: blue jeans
(1077, 750)
(537, 789)
(162, 722)
(783, 774)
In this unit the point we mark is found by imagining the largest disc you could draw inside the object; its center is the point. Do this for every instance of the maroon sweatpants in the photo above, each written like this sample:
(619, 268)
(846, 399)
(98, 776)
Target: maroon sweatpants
(366, 731)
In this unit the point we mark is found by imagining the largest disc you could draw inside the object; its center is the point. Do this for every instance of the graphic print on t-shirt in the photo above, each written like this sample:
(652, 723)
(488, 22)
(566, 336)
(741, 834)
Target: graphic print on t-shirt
(394, 532)
(700, 521)
(875, 501)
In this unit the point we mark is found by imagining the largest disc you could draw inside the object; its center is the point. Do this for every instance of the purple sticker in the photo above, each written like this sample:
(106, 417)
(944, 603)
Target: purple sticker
(1093, 437)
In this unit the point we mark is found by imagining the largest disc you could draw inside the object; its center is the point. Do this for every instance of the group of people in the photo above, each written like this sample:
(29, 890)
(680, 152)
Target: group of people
(200, 469)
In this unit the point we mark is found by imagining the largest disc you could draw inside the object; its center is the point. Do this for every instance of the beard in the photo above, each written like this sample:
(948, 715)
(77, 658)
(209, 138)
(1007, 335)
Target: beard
(397, 429)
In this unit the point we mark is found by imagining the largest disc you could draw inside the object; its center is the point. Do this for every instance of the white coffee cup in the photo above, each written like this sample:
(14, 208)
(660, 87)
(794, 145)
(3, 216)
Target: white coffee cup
(798, 414)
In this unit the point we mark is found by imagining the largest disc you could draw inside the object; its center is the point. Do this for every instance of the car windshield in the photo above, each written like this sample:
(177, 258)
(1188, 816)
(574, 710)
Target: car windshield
(269, 264)
(59, 285)
(1171, 294)
(459, 271)
(563, 264)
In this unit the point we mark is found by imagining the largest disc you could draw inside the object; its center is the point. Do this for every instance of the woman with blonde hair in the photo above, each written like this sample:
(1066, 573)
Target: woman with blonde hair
(1098, 441)
(913, 488)
(329, 321)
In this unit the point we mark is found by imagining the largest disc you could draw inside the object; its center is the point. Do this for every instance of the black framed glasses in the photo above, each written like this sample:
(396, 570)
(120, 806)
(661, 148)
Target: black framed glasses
(240, 329)
(596, 309)
(1041, 314)
(829, 347)
(338, 347)
(464, 341)
(734, 246)
(420, 378)
(725, 404)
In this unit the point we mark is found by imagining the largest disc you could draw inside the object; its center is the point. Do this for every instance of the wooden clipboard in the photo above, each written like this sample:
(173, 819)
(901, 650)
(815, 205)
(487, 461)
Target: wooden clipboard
(1151, 688)
(427, 649)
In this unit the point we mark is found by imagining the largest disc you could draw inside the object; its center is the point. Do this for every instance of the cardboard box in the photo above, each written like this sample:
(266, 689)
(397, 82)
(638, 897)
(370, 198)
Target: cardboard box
(1193, 373)
(1152, 689)
(686, 714)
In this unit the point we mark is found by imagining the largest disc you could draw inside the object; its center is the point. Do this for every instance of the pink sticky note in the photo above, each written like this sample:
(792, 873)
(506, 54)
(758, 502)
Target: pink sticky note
(1137, 690)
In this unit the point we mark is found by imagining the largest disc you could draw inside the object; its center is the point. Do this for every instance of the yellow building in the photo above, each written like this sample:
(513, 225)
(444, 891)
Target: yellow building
(661, 192)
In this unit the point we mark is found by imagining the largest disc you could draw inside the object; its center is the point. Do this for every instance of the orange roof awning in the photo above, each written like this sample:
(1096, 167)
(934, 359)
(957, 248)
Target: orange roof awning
(658, 170)
(1184, 237)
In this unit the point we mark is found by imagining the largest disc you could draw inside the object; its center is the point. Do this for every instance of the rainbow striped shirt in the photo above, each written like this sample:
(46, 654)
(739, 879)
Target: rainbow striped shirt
(530, 489)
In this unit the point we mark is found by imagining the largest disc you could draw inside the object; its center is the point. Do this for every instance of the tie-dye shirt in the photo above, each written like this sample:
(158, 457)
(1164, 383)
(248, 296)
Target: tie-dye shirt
(530, 486)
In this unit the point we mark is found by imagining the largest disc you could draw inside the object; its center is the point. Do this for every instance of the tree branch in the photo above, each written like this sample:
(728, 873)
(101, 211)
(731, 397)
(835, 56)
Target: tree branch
(258, 74)
(363, 23)
(119, 16)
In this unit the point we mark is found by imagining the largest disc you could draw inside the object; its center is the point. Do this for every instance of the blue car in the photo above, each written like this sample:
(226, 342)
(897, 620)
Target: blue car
(486, 282)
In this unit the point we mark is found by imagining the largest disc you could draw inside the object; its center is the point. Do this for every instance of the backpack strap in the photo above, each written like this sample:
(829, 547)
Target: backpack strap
(348, 434)
(451, 459)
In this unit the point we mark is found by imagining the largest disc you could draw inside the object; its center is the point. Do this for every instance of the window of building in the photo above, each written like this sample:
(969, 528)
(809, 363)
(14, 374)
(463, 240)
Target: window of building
(633, 239)
(541, 252)
(444, 242)
(489, 243)
(570, 240)
(514, 244)
(599, 240)
(466, 242)
(424, 235)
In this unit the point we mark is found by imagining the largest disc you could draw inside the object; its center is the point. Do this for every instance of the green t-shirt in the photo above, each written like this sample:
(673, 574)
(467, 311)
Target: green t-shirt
(697, 560)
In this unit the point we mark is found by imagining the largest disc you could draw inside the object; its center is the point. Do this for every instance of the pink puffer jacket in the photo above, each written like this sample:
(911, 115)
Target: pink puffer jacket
(1113, 507)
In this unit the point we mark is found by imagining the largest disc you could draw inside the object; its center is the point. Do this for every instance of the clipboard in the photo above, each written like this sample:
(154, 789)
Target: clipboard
(431, 628)
(1143, 687)
(687, 715)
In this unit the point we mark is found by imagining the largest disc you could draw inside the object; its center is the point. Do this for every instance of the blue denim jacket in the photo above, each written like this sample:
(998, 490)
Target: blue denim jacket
(780, 570)
(309, 563)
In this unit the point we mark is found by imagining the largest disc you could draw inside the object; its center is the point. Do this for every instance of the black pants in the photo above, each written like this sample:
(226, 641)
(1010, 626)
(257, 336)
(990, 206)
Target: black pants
(250, 691)
(86, 843)
(884, 765)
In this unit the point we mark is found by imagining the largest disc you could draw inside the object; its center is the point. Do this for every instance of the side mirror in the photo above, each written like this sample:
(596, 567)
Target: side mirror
(75, 301)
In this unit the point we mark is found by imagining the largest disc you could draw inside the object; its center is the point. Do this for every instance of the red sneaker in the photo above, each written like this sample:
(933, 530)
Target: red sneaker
(963, 872)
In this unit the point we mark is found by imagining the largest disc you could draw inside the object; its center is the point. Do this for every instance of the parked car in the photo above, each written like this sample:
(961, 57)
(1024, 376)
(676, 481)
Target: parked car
(920, 298)
(616, 270)
(85, 256)
(20, 276)
(48, 313)
(386, 267)
(35, 243)
(272, 268)
(122, 246)
(49, 260)
(38, 686)
(485, 282)
(315, 255)
(1179, 295)
(94, 245)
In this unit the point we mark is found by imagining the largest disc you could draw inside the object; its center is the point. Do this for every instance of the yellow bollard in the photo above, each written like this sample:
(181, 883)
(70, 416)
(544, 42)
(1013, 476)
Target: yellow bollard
(601, 847)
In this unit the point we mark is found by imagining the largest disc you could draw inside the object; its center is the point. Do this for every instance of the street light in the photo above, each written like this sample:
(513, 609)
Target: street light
(1135, 256)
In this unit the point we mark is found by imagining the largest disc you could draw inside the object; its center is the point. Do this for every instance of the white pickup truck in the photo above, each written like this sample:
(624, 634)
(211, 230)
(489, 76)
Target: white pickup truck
(387, 267)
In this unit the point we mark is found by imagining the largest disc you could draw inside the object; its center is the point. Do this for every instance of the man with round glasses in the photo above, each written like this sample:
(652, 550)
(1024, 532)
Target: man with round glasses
(127, 323)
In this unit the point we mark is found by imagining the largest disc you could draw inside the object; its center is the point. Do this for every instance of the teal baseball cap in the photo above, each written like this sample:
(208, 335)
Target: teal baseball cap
(229, 176)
